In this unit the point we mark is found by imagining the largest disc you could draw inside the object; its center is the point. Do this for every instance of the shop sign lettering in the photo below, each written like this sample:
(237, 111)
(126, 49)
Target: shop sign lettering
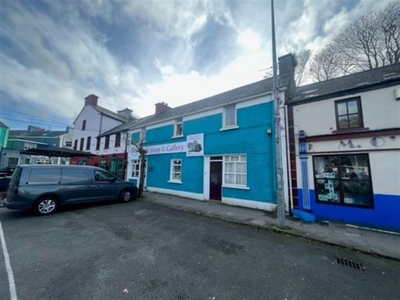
(376, 142)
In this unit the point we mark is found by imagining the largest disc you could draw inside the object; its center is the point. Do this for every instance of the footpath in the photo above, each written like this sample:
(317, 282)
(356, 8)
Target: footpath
(381, 243)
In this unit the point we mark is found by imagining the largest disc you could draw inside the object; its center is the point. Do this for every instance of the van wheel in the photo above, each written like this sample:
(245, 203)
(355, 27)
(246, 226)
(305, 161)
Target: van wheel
(46, 206)
(126, 196)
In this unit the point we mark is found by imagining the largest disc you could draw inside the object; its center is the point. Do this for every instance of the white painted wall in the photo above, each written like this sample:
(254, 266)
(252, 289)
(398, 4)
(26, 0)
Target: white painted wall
(385, 172)
(380, 111)
(95, 125)
(379, 107)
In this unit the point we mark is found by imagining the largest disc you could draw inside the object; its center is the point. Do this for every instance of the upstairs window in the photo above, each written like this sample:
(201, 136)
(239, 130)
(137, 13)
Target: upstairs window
(118, 139)
(178, 128)
(75, 144)
(97, 143)
(84, 125)
(230, 116)
(88, 141)
(143, 134)
(348, 114)
(107, 142)
(81, 145)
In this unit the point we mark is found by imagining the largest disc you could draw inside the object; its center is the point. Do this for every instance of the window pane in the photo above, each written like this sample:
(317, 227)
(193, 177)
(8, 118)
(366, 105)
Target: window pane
(229, 178)
(230, 116)
(354, 121)
(45, 175)
(326, 166)
(357, 192)
(74, 176)
(343, 122)
(354, 167)
(352, 107)
(327, 190)
(342, 108)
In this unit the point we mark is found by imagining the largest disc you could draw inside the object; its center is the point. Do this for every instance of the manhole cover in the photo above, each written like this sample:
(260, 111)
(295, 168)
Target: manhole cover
(350, 263)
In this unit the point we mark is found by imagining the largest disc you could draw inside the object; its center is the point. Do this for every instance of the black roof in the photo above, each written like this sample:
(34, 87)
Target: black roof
(345, 85)
(219, 100)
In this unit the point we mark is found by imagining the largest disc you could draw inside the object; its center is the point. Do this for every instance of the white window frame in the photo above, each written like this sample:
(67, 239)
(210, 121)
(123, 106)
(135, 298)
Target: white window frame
(177, 123)
(142, 135)
(231, 175)
(175, 176)
(134, 163)
(227, 109)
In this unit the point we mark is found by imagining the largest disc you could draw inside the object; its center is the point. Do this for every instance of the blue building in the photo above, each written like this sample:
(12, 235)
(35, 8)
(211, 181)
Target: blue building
(220, 148)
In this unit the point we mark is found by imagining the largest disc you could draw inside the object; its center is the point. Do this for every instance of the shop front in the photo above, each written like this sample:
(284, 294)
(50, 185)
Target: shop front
(355, 181)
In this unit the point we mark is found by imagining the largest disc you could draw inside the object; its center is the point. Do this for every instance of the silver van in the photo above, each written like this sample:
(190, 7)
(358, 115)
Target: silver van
(43, 188)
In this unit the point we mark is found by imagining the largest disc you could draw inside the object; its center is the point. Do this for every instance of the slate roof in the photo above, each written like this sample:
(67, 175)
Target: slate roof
(110, 113)
(219, 100)
(25, 133)
(345, 85)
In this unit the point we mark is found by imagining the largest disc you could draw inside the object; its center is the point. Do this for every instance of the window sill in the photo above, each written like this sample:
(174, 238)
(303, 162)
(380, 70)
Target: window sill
(235, 187)
(176, 136)
(229, 128)
(175, 181)
(350, 130)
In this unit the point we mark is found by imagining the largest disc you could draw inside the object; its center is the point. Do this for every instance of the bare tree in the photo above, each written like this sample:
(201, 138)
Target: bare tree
(323, 65)
(302, 59)
(390, 26)
(373, 40)
(142, 156)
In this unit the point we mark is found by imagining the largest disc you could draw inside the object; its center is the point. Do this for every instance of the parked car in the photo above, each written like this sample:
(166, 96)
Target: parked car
(43, 188)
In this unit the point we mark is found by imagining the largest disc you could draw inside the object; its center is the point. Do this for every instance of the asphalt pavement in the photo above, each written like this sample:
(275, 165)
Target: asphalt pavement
(386, 244)
(140, 250)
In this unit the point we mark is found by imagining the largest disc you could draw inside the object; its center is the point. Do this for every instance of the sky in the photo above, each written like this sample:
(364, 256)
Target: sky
(134, 54)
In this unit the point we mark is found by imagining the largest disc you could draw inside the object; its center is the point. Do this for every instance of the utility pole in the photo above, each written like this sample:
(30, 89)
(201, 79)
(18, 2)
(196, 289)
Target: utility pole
(280, 201)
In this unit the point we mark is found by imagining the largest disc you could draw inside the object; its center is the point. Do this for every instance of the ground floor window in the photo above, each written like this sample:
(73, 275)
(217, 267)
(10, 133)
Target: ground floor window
(135, 163)
(343, 179)
(176, 170)
(235, 170)
(103, 163)
(12, 162)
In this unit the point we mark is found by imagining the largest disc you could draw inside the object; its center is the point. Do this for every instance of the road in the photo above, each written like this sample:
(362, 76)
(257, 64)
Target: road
(142, 251)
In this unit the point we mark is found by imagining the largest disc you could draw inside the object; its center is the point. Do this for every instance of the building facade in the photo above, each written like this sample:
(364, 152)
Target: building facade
(90, 124)
(34, 137)
(344, 137)
(220, 148)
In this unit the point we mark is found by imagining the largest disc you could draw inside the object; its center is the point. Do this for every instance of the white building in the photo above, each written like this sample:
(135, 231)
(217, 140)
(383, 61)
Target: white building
(344, 148)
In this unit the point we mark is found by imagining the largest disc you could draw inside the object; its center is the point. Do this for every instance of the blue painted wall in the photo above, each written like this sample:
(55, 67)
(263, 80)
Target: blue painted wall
(250, 138)
(385, 215)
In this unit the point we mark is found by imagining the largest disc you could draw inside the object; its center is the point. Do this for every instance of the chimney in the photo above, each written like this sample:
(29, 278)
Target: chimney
(161, 106)
(91, 100)
(126, 113)
(286, 64)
